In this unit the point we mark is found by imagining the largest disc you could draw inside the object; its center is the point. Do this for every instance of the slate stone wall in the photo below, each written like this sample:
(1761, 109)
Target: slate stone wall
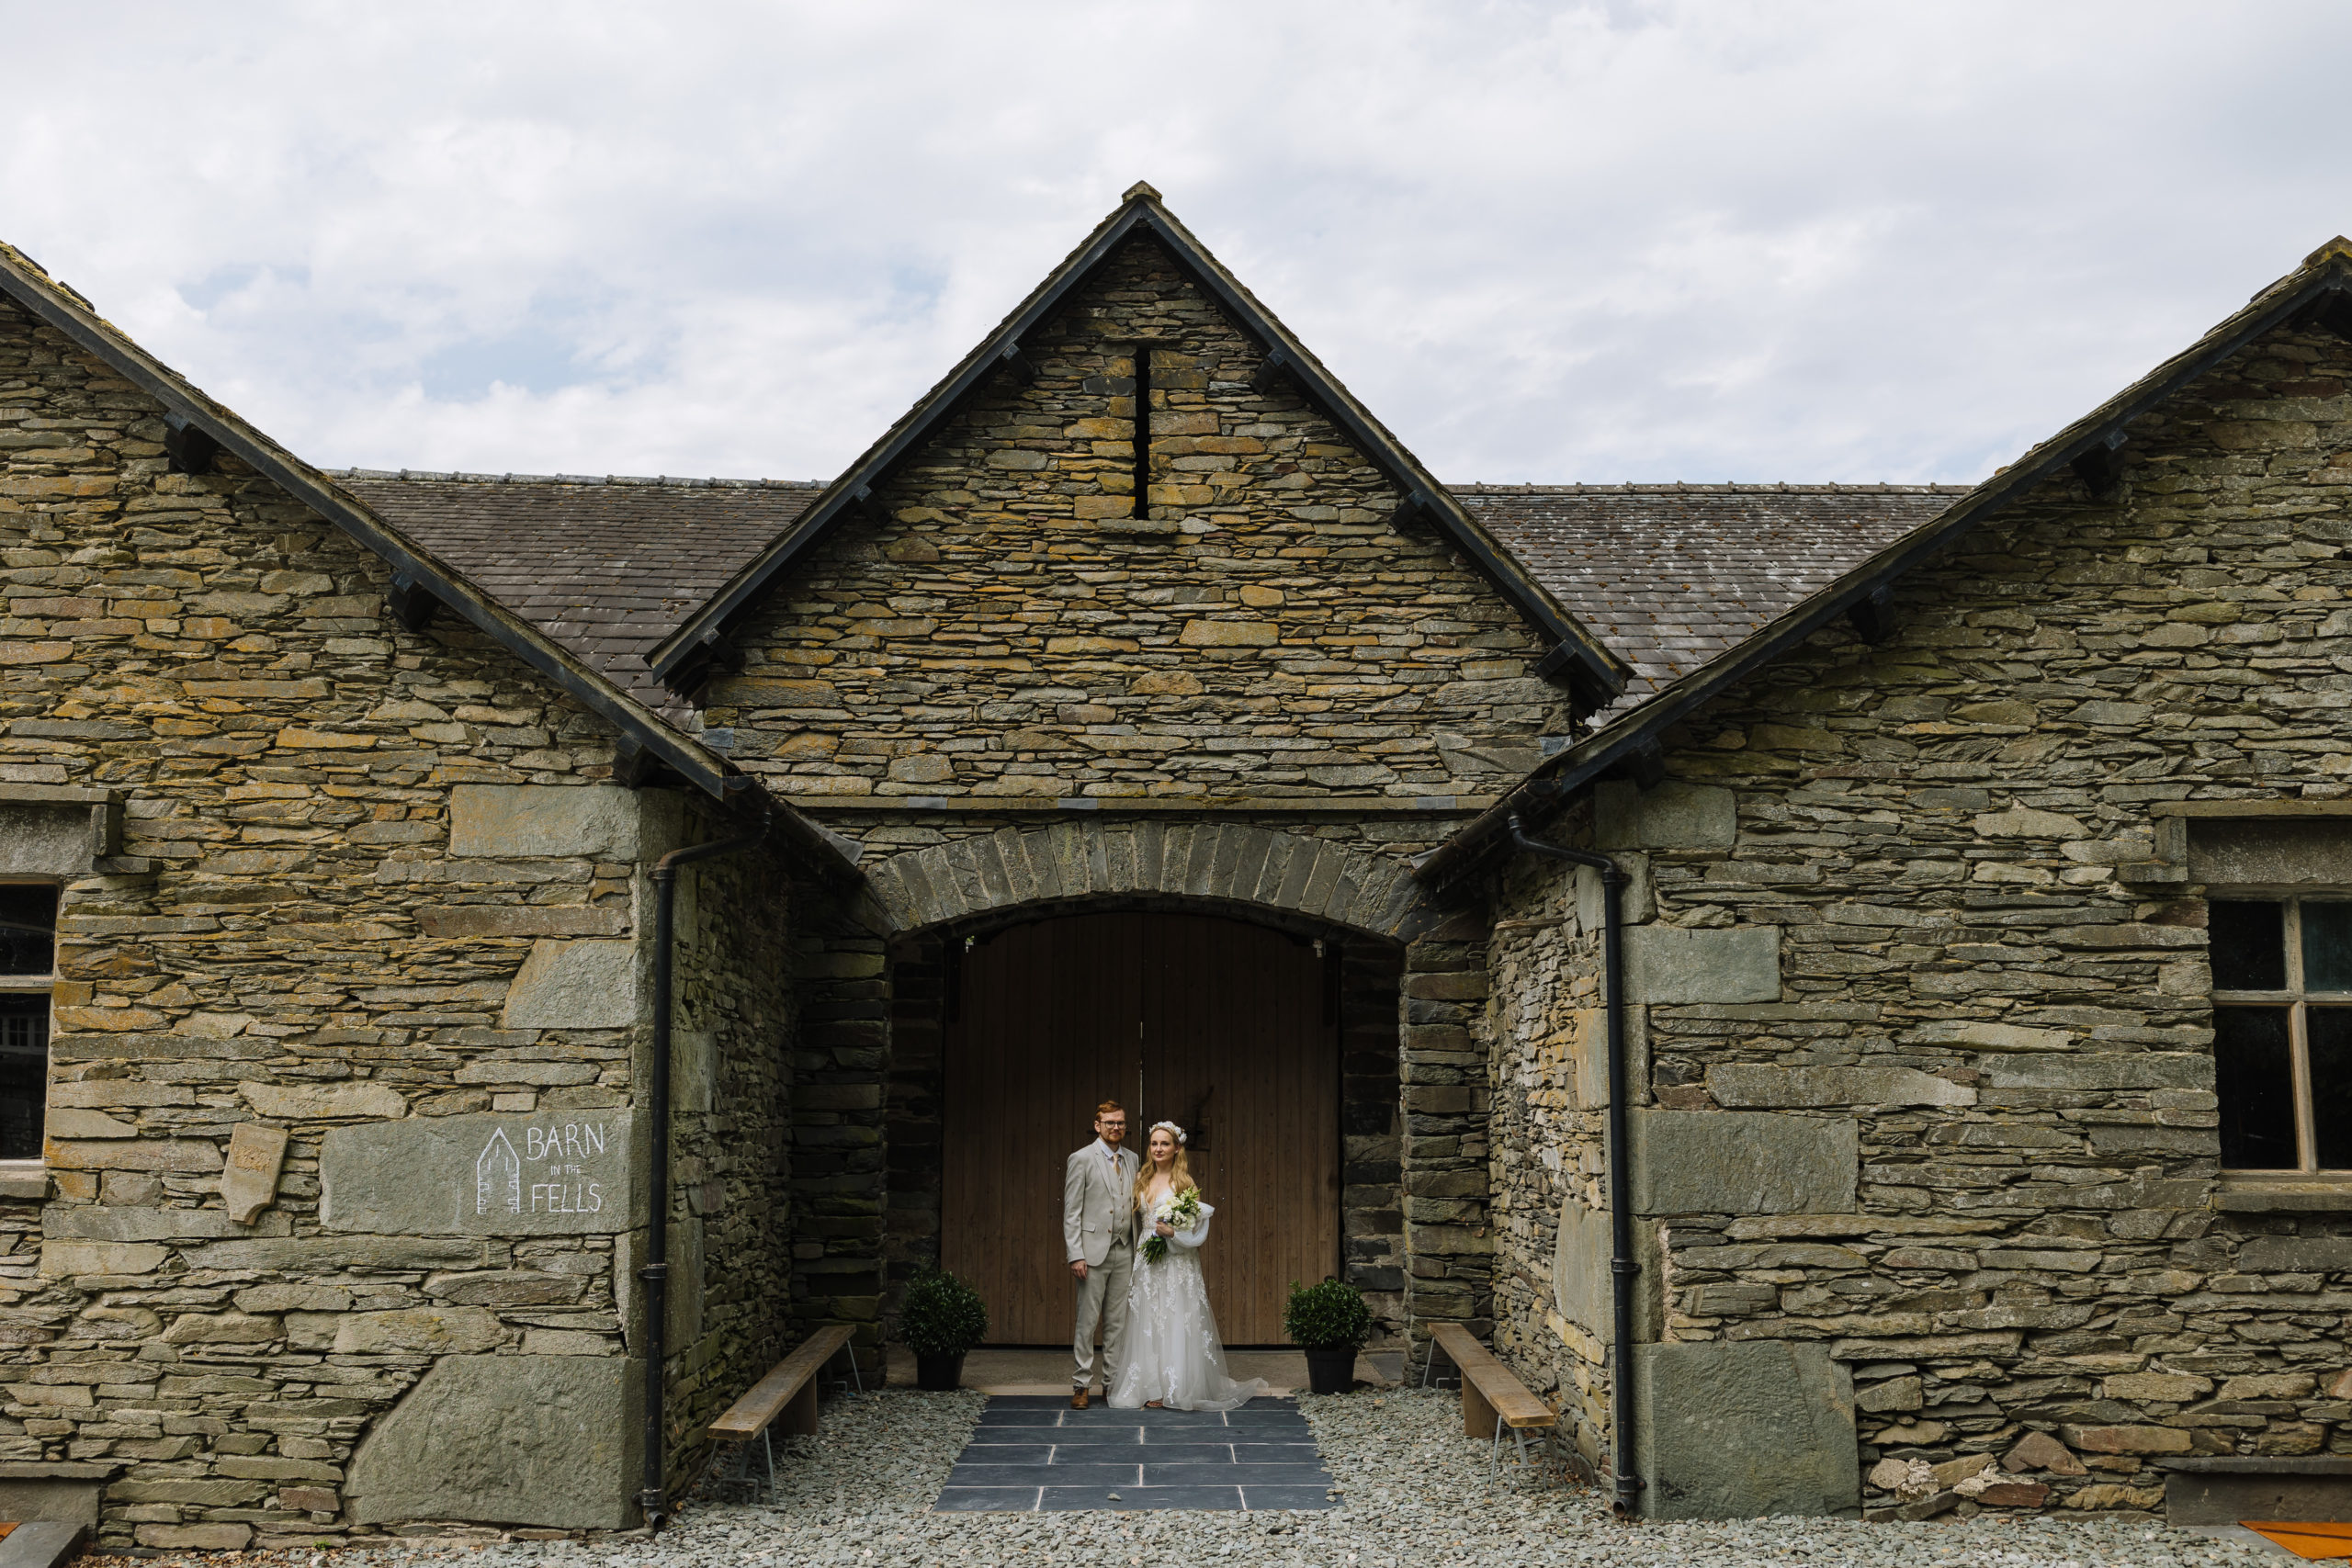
(1013, 630)
(730, 1212)
(1918, 900)
(365, 876)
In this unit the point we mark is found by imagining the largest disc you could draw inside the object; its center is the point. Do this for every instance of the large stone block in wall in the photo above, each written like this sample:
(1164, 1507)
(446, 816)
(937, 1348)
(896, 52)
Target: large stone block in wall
(1675, 964)
(1747, 1084)
(552, 1441)
(573, 821)
(55, 838)
(1588, 1055)
(1733, 1432)
(554, 1173)
(1582, 1286)
(574, 984)
(2270, 852)
(1669, 817)
(1636, 901)
(1741, 1162)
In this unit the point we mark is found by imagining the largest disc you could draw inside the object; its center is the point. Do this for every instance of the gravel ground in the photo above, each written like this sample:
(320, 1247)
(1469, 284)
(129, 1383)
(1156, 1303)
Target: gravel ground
(1415, 1493)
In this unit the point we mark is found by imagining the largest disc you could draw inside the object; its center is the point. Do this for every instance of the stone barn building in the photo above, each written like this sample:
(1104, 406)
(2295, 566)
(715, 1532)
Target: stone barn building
(1138, 718)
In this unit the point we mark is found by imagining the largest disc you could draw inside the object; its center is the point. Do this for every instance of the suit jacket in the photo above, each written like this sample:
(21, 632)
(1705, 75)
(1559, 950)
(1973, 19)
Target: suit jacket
(1097, 1209)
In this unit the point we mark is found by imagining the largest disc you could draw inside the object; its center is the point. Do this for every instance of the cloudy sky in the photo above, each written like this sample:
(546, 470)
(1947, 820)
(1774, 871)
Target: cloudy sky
(1703, 241)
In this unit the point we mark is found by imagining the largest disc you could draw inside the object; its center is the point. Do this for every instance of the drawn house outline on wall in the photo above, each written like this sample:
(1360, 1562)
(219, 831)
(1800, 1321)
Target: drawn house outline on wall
(498, 1164)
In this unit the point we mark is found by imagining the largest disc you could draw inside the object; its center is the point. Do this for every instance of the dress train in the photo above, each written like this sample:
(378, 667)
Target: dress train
(1173, 1354)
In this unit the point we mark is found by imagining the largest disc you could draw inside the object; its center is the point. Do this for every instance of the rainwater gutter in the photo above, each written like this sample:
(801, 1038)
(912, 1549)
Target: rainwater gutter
(654, 1496)
(1621, 1265)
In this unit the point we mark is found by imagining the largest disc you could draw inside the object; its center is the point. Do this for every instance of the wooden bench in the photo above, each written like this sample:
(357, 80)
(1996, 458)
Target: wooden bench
(1492, 1399)
(790, 1390)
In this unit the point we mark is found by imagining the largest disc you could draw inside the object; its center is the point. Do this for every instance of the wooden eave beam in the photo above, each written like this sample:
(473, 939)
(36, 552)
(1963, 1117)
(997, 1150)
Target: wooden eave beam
(411, 600)
(187, 447)
(1872, 615)
(2100, 465)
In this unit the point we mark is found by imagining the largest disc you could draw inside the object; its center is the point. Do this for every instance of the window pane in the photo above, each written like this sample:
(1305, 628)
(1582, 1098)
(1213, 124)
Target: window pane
(24, 1074)
(27, 929)
(2255, 1080)
(2329, 1043)
(2249, 941)
(2327, 947)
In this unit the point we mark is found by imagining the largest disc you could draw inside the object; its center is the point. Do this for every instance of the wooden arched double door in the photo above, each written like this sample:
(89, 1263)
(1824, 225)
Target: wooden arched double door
(1227, 1028)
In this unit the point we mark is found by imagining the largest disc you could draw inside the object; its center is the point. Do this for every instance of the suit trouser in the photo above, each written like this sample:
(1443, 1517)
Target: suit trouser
(1102, 1298)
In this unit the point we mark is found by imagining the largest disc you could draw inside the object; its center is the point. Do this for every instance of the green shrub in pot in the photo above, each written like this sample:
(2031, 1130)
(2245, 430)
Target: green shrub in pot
(1330, 1322)
(940, 1319)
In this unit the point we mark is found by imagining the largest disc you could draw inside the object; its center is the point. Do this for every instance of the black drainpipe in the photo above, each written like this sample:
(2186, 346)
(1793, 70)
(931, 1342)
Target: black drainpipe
(1621, 1267)
(656, 1272)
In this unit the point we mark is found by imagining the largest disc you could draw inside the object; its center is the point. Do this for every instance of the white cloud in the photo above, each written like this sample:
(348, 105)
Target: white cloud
(1695, 240)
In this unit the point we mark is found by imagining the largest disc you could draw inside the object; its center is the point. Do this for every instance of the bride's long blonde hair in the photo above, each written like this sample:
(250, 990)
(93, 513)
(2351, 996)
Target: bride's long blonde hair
(1179, 1173)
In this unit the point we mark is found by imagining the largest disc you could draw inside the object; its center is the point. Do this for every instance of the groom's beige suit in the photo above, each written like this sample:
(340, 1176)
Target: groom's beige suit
(1098, 1227)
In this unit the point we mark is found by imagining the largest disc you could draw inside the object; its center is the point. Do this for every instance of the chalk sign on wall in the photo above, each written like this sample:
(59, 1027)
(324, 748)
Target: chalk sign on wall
(489, 1174)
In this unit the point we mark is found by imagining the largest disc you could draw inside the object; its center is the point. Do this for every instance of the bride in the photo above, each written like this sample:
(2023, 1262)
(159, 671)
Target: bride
(1173, 1356)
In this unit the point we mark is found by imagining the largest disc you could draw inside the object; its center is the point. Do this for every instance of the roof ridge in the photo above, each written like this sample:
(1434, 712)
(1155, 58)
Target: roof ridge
(460, 475)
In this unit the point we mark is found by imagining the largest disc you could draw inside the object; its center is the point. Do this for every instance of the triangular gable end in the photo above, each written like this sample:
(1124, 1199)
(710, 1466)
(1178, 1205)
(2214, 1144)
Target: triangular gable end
(2317, 294)
(1577, 656)
(198, 424)
(198, 420)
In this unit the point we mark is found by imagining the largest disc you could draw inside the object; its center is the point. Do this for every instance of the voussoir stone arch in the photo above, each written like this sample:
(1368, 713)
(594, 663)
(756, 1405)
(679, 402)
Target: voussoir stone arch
(1341, 885)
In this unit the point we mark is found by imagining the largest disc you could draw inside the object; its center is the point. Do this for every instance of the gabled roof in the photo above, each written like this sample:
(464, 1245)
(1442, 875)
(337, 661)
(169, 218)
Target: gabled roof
(416, 566)
(2317, 293)
(1673, 576)
(1576, 655)
(605, 566)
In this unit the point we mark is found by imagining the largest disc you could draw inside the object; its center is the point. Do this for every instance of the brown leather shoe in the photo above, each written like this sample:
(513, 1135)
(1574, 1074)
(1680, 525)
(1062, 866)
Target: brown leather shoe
(1078, 1400)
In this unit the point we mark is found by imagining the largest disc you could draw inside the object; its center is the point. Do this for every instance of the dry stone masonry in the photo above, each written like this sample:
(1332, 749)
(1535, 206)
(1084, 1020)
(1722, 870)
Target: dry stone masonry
(349, 1016)
(1928, 1094)
(349, 793)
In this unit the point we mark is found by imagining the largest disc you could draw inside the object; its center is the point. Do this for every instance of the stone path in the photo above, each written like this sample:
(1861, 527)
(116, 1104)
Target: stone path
(1034, 1453)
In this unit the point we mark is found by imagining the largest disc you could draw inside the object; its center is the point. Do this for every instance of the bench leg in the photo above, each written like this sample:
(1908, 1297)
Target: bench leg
(768, 1447)
(1477, 1416)
(742, 1475)
(1495, 1454)
(800, 1416)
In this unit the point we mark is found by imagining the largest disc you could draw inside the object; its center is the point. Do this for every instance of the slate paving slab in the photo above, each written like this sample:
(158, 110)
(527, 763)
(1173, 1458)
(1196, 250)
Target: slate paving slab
(1031, 1453)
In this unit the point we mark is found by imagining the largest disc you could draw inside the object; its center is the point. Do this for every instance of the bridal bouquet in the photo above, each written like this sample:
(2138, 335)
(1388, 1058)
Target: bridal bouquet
(1183, 1211)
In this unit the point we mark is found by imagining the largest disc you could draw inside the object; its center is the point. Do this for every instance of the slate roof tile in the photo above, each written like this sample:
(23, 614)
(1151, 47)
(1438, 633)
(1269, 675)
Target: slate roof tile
(608, 566)
(1672, 576)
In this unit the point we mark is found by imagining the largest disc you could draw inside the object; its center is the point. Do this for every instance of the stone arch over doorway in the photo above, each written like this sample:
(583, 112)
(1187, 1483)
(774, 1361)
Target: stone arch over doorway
(1338, 884)
(869, 1078)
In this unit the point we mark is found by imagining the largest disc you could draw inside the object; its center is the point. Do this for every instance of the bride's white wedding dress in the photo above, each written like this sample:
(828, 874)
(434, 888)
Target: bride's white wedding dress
(1173, 1354)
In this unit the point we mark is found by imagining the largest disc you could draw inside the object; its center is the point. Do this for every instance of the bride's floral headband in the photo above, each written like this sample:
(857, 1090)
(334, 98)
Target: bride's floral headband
(1177, 1132)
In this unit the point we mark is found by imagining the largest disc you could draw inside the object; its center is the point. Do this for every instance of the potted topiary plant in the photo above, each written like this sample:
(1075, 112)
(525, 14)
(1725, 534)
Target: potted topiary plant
(1330, 1322)
(941, 1318)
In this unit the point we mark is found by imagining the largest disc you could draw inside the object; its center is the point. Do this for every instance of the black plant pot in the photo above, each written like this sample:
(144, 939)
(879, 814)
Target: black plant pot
(1331, 1372)
(939, 1373)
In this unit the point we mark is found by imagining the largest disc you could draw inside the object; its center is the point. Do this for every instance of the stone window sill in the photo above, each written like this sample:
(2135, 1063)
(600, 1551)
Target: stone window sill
(2269, 1194)
(24, 1178)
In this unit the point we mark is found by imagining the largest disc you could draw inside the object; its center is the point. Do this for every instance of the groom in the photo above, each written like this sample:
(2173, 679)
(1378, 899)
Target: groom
(1099, 1233)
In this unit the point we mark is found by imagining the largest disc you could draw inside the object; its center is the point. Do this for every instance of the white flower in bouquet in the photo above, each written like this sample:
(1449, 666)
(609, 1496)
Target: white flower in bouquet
(1180, 1210)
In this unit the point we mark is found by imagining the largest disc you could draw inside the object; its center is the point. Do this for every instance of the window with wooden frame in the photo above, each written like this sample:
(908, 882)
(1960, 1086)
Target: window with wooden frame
(27, 973)
(2282, 1031)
